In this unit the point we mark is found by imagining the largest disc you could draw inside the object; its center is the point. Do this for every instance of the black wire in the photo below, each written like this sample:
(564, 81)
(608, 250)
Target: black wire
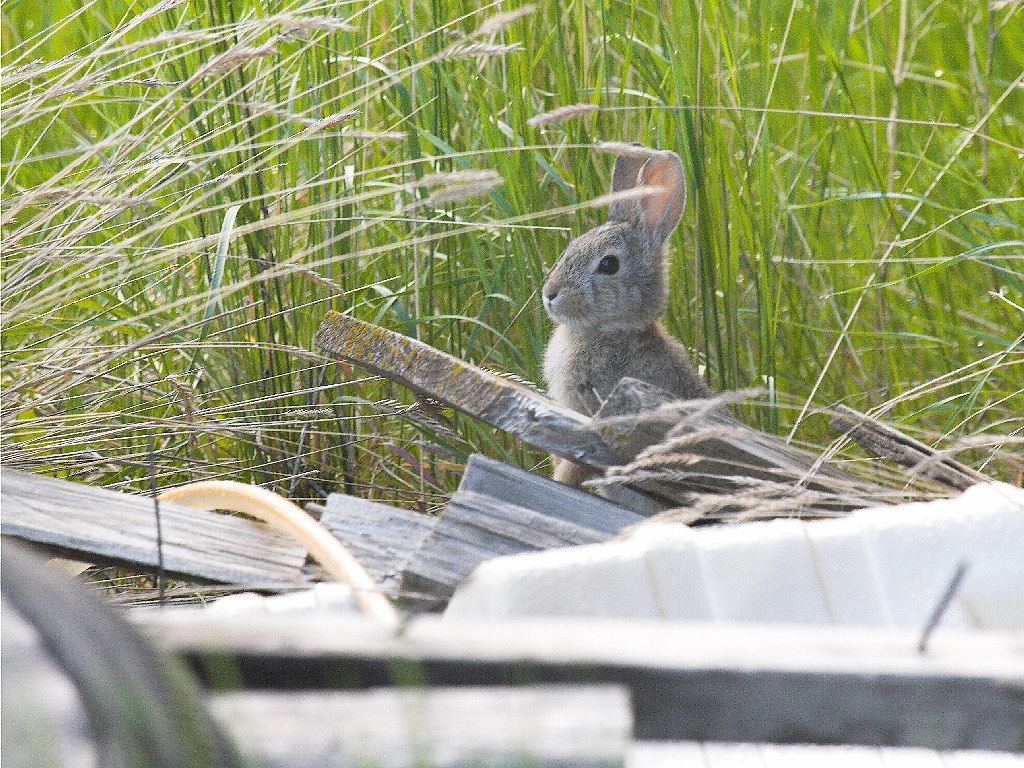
(943, 604)
(159, 528)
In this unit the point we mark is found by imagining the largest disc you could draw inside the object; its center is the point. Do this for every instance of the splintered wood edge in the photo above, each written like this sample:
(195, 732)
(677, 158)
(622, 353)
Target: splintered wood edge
(886, 440)
(494, 400)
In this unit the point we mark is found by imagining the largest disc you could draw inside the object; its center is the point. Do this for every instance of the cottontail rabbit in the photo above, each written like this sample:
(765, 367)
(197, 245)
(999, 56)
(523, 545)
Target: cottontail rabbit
(607, 294)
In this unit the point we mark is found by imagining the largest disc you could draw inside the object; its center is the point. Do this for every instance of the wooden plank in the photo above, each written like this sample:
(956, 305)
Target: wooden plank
(473, 528)
(558, 726)
(703, 755)
(381, 537)
(683, 450)
(884, 440)
(100, 525)
(525, 489)
(498, 510)
(500, 402)
(701, 682)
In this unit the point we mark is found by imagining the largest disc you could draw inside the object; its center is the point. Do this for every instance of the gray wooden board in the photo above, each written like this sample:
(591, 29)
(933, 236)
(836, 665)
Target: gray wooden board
(381, 537)
(514, 485)
(884, 440)
(704, 755)
(730, 451)
(688, 681)
(473, 528)
(100, 525)
(576, 726)
(721, 453)
(529, 415)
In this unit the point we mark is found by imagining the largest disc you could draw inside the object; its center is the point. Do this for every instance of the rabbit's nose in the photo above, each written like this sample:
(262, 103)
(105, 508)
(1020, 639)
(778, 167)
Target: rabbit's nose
(550, 292)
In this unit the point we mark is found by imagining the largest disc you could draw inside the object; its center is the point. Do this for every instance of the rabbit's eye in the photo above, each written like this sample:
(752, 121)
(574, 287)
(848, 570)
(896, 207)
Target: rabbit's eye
(609, 265)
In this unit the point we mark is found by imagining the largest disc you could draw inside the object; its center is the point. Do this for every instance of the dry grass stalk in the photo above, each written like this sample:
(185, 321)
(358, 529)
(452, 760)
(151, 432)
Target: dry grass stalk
(460, 185)
(500, 21)
(623, 148)
(562, 114)
(234, 57)
(472, 50)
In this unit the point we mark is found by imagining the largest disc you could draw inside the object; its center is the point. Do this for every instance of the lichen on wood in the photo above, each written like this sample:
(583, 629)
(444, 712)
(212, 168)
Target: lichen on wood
(494, 400)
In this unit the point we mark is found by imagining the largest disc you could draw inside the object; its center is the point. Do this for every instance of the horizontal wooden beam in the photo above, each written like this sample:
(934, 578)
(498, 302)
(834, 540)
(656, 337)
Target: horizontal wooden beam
(546, 726)
(767, 684)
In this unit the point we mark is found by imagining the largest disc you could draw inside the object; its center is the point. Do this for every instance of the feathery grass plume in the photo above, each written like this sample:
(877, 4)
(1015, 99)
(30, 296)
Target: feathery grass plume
(624, 148)
(472, 50)
(301, 26)
(499, 21)
(326, 123)
(562, 114)
(459, 185)
(235, 57)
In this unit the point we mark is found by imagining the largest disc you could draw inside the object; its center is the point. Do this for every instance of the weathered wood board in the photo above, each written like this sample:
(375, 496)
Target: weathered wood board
(473, 528)
(100, 525)
(498, 510)
(713, 453)
(494, 400)
(904, 450)
(700, 682)
(381, 537)
(514, 485)
(561, 726)
(700, 448)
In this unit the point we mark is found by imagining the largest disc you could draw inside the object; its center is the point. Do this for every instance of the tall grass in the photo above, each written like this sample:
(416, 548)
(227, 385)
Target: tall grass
(188, 187)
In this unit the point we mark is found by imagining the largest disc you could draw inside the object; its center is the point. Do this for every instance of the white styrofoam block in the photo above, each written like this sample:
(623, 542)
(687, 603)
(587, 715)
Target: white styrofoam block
(761, 571)
(915, 550)
(846, 574)
(241, 604)
(599, 580)
(331, 597)
(674, 570)
(992, 601)
(881, 566)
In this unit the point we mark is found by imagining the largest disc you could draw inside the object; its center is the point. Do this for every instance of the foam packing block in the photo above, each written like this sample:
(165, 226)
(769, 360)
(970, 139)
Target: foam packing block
(884, 566)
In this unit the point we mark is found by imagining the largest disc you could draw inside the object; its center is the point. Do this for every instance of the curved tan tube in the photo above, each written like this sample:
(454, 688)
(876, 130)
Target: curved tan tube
(286, 517)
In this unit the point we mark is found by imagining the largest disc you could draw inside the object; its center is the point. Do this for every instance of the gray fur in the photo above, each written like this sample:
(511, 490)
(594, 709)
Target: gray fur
(609, 325)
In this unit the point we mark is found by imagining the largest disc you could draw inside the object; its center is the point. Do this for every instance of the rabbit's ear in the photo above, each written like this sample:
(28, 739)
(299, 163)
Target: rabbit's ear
(659, 214)
(624, 176)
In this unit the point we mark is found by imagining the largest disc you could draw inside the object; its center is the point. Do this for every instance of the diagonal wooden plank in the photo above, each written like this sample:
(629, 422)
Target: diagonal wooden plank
(96, 523)
(904, 450)
(494, 400)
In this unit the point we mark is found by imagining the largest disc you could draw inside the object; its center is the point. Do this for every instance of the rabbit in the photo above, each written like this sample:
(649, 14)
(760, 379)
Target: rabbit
(607, 294)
